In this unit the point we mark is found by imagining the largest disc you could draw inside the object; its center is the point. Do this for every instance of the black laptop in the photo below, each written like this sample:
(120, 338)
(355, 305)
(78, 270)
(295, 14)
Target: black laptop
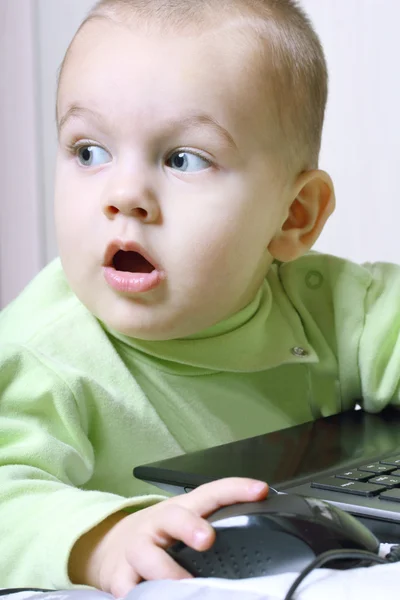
(351, 459)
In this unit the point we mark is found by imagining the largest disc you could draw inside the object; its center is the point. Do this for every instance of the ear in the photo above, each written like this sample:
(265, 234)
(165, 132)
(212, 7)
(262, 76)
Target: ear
(314, 202)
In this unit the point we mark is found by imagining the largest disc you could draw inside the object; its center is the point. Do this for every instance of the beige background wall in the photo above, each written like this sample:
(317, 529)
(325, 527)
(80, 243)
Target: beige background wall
(22, 250)
(360, 144)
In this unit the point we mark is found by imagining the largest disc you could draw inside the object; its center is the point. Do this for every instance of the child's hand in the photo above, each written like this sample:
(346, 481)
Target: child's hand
(125, 549)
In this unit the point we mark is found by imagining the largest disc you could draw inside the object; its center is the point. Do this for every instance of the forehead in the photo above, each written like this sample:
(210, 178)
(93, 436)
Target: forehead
(218, 70)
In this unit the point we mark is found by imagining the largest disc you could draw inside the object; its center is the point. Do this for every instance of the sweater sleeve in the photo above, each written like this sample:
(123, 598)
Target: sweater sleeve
(46, 459)
(379, 345)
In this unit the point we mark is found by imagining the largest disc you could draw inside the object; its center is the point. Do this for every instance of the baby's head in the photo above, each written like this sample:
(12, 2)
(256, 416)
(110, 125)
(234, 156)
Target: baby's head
(188, 153)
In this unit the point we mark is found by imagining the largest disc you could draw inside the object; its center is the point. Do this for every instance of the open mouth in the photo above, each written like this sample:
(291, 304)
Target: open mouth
(128, 269)
(131, 262)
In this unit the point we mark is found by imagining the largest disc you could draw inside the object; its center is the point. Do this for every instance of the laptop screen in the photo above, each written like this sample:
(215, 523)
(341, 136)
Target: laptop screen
(285, 456)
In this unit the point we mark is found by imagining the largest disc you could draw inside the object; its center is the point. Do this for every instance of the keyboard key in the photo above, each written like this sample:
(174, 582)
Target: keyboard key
(377, 468)
(355, 475)
(393, 495)
(349, 487)
(391, 460)
(387, 480)
(395, 473)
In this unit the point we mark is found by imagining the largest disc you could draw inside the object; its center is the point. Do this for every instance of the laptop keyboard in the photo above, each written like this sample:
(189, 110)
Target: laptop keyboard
(379, 479)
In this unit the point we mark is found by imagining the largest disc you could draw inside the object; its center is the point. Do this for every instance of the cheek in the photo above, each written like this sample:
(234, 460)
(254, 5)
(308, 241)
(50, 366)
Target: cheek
(68, 220)
(219, 242)
(72, 206)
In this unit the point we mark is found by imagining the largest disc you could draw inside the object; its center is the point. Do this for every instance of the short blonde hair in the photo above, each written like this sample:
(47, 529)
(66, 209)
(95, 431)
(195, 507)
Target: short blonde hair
(297, 71)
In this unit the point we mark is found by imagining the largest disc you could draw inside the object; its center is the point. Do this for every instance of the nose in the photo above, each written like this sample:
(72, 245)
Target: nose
(130, 195)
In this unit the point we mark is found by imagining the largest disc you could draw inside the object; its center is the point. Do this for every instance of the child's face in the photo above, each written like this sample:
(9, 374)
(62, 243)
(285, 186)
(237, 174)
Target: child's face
(154, 170)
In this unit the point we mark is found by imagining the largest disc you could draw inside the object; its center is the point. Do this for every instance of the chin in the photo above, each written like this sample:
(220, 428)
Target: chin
(157, 330)
(148, 335)
(146, 330)
(149, 322)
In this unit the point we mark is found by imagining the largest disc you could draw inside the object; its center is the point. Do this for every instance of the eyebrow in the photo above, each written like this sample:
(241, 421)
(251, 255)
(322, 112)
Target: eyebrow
(78, 112)
(190, 121)
(202, 119)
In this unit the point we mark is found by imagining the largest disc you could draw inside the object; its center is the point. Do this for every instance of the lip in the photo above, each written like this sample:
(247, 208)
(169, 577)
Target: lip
(127, 282)
(127, 246)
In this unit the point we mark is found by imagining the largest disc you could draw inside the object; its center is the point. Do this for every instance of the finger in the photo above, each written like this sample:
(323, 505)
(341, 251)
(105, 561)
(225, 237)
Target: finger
(124, 579)
(154, 563)
(179, 523)
(209, 497)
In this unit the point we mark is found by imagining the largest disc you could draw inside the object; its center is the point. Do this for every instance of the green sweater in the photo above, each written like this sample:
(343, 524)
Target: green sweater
(80, 405)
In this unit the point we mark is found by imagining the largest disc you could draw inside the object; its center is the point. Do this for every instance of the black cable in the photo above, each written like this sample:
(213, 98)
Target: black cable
(325, 557)
(5, 592)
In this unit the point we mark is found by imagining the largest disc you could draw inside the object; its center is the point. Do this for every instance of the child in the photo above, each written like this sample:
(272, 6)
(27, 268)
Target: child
(185, 312)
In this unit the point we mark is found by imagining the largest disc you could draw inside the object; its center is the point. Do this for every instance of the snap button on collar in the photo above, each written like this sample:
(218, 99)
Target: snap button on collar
(298, 351)
(314, 280)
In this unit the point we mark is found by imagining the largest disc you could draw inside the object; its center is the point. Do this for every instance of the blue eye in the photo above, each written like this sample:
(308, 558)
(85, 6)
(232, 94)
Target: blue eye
(92, 156)
(187, 162)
